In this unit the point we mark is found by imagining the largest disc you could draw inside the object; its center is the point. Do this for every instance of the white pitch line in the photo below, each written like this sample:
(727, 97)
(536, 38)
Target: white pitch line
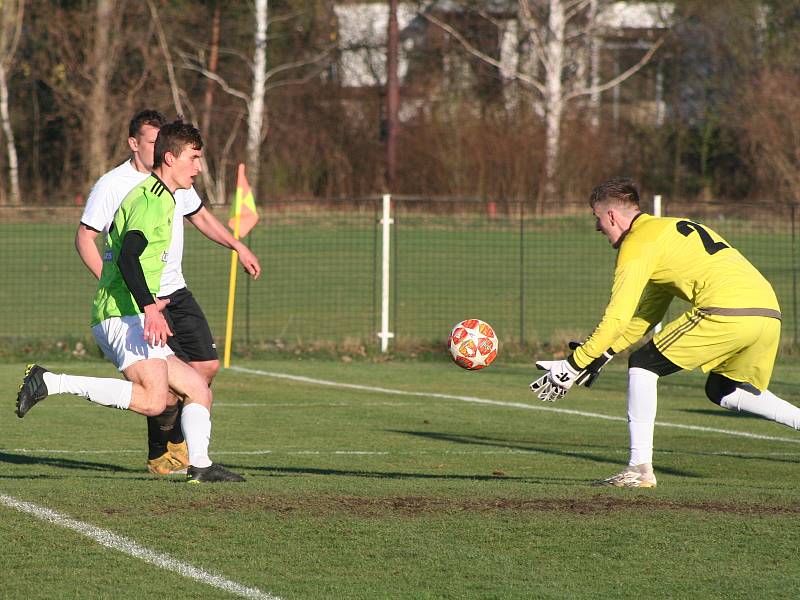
(111, 540)
(475, 400)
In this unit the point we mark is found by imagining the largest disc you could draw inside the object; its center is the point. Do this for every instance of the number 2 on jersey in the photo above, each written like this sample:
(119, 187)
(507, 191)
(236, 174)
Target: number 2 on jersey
(685, 228)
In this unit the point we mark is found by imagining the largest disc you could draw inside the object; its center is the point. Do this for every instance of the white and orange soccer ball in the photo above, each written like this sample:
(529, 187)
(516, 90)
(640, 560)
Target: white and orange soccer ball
(473, 344)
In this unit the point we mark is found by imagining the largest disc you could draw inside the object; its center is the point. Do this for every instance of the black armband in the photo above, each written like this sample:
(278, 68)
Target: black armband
(133, 244)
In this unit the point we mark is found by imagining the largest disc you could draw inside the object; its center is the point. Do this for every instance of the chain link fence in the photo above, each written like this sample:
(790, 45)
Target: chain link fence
(537, 278)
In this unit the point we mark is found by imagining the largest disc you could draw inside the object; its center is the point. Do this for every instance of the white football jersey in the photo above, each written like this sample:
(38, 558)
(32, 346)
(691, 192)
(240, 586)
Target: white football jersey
(109, 192)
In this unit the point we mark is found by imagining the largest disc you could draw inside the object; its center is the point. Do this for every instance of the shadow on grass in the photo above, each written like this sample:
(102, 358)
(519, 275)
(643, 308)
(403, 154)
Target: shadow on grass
(62, 463)
(734, 455)
(501, 443)
(719, 412)
(476, 440)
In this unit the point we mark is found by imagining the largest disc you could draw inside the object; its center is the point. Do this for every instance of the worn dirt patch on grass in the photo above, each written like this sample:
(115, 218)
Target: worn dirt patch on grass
(432, 505)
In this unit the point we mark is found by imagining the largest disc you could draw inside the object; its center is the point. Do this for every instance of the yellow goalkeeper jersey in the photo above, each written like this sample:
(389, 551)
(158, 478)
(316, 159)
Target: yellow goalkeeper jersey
(661, 258)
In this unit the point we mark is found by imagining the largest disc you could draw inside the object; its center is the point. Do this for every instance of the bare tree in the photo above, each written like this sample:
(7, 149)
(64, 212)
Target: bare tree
(263, 80)
(770, 120)
(10, 27)
(103, 55)
(392, 97)
(255, 103)
(215, 189)
(213, 64)
(93, 92)
(594, 69)
(554, 36)
(177, 93)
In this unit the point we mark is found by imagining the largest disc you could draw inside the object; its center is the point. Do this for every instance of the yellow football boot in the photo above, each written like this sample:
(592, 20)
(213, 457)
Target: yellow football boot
(166, 465)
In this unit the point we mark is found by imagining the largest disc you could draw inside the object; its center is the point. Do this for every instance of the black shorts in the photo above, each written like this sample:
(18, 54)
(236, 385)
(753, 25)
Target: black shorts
(192, 340)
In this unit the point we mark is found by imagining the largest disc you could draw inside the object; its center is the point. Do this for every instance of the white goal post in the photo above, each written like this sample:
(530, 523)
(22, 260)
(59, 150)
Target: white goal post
(386, 221)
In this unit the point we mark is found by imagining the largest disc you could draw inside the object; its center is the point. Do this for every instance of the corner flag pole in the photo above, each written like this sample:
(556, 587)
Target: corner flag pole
(226, 361)
(244, 216)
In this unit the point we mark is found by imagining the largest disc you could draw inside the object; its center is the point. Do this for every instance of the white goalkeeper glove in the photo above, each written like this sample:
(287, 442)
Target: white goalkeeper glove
(592, 371)
(560, 376)
(563, 374)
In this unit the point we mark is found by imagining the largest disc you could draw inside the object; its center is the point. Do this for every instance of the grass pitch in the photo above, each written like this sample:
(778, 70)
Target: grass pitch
(404, 480)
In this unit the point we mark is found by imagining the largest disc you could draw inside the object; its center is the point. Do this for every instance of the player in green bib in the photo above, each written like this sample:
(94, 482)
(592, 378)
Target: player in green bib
(147, 212)
(127, 316)
(192, 341)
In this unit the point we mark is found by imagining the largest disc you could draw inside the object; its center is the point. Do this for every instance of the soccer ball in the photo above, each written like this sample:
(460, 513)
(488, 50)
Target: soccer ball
(473, 344)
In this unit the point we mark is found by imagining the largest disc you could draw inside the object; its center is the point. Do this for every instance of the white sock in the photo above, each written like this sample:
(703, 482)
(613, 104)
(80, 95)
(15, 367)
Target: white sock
(100, 390)
(196, 425)
(642, 404)
(766, 405)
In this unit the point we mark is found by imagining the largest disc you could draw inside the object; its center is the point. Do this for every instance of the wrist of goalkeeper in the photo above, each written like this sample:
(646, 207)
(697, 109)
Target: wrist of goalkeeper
(582, 358)
(590, 372)
(573, 364)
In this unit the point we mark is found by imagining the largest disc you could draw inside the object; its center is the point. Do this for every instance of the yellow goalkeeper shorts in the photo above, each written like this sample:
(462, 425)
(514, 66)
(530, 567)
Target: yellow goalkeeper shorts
(742, 348)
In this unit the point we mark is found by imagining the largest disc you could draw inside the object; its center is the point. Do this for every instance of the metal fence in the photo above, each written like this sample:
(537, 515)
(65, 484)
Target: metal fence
(535, 277)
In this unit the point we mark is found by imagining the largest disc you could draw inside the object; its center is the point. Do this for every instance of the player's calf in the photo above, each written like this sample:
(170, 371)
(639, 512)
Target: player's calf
(159, 430)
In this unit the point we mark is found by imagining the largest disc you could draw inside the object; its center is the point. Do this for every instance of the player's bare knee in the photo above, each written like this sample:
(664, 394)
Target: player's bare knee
(150, 398)
(155, 404)
(198, 392)
(210, 370)
(207, 368)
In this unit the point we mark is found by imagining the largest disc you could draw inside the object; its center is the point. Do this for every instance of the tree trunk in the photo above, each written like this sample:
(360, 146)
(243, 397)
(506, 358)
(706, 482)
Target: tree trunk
(392, 97)
(11, 27)
(36, 137)
(594, 68)
(213, 61)
(97, 121)
(553, 96)
(13, 169)
(205, 175)
(256, 107)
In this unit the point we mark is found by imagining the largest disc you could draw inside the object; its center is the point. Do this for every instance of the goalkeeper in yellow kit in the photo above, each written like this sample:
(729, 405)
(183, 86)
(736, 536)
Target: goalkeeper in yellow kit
(731, 331)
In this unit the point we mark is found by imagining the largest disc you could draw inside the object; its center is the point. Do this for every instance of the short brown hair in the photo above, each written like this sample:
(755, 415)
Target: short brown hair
(174, 137)
(145, 117)
(621, 189)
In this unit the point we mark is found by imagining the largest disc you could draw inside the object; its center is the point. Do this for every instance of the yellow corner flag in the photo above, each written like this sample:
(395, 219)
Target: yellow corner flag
(244, 216)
